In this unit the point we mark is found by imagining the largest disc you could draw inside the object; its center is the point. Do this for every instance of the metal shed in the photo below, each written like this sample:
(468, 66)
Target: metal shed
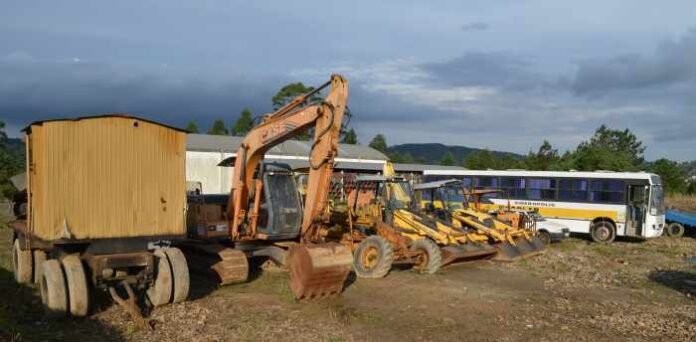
(111, 176)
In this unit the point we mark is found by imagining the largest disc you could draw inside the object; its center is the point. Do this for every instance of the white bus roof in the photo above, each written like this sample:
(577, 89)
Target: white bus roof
(524, 173)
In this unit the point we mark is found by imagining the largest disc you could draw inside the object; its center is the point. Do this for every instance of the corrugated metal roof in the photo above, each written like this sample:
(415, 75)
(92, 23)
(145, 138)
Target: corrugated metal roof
(408, 167)
(297, 164)
(101, 116)
(230, 144)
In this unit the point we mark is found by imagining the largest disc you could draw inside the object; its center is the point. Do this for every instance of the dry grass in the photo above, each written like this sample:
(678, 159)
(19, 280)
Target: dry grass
(681, 202)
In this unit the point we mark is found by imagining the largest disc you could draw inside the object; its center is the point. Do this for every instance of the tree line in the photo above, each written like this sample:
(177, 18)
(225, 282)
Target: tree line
(607, 149)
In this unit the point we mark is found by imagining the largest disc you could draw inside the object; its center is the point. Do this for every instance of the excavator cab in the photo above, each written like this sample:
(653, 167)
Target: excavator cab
(280, 214)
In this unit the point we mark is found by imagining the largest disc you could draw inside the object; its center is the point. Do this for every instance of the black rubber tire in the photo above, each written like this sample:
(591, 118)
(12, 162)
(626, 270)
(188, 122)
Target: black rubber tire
(544, 236)
(54, 295)
(39, 259)
(22, 264)
(160, 292)
(78, 291)
(180, 274)
(603, 232)
(384, 255)
(675, 230)
(431, 251)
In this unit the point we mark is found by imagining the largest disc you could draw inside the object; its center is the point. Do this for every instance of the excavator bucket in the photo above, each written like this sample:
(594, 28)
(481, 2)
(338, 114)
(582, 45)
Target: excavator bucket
(318, 270)
(466, 251)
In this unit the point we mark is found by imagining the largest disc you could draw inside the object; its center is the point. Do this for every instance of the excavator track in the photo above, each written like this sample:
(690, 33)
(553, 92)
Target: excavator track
(228, 265)
(318, 270)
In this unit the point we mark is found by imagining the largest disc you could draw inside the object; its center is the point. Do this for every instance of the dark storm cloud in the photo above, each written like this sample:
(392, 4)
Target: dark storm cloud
(673, 62)
(34, 90)
(497, 69)
(475, 26)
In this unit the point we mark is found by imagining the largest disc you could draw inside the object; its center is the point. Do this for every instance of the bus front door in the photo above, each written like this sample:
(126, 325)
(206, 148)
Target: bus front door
(637, 205)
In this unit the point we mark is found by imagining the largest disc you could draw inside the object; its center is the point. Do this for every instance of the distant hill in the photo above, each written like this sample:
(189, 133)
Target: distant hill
(433, 153)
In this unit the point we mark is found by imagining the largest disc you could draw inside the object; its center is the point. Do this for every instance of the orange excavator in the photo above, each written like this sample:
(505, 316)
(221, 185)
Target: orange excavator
(265, 216)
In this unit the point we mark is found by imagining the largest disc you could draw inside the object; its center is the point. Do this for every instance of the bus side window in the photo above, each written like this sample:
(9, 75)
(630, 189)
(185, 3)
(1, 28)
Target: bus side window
(513, 187)
(542, 189)
(573, 190)
(607, 191)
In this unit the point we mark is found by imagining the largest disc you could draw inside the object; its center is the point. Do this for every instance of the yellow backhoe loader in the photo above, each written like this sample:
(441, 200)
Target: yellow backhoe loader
(446, 200)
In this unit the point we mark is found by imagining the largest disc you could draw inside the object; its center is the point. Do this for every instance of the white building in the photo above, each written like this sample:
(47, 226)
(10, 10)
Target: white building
(205, 152)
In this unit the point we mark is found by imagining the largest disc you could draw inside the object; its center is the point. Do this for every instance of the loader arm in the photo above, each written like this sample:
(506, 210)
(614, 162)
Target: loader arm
(294, 118)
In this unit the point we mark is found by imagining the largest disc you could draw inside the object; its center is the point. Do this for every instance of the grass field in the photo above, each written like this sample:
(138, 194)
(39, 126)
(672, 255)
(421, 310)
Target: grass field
(681, 202)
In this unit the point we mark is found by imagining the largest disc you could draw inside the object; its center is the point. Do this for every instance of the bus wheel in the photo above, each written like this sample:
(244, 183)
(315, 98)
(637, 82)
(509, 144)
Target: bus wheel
(675, 230)
(603, 232)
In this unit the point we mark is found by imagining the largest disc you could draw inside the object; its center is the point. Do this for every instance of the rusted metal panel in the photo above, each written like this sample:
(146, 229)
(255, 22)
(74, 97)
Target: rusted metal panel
(105, 177)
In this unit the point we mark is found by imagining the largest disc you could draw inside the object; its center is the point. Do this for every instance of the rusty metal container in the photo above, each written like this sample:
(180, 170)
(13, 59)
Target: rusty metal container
(111, 176)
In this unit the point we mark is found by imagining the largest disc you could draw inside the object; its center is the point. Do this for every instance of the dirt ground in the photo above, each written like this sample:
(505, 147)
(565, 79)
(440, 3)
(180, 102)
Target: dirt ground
(576, 291)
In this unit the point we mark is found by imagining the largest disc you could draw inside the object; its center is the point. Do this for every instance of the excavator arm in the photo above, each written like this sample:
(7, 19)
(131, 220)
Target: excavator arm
(294, 118)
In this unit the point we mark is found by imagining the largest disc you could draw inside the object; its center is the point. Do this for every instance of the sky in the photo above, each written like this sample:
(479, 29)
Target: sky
(503, 75)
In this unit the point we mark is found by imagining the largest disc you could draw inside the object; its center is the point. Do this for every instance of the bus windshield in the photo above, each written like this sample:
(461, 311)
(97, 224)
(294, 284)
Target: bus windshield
(657, 201)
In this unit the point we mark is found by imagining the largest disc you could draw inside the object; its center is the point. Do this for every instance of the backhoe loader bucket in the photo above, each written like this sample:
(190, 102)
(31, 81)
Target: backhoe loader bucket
(318, 270)
(466, 251)
(522, 248)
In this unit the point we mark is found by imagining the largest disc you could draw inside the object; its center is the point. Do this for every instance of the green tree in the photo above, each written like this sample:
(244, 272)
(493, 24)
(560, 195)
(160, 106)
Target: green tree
(218, 128)
(11, 163)
(191, 127)
(609, 149)
(673, 177)
(397, 157)
(546, 158)
(244, 124)
(485, 159)
(350, 137)
(379, 143)
(448, 159)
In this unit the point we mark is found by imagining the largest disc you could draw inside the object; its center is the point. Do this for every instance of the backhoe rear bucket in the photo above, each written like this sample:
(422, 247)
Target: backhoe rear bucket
(467, 251)
(318, 270)
(523, 248)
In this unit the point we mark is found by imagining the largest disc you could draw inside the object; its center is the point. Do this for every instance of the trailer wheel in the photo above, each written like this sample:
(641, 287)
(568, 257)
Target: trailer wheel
(428, 256)
(675, 230)
(603, 232)
(160, 292)
(373, 257)
(180, 274)
(53, 293)
(39, 259)
(78, 292)
(21, 263)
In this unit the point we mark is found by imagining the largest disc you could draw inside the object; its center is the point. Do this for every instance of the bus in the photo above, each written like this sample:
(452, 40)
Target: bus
(603, 204)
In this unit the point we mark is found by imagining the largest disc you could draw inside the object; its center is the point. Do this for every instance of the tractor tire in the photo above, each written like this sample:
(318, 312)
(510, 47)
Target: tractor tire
(160, 292)
(54, 295)
(675, 230)
(39, 259)
(180, 274)
(603, 232)
(78, 292)
(373, 257)
(544, 236)
(21, 263)
(429, 256)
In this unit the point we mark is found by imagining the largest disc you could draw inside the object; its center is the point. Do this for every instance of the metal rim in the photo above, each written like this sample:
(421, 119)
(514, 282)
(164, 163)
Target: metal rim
(422, 259)
(674, 229)
(602, 233)
(369, 257)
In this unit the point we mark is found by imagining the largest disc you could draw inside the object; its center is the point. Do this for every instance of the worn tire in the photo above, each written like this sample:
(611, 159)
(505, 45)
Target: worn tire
(603, 232)
(675, 230)
(373, 257)
(21, 263)
(78, 292)
(544, 236)
(180, 274)
(429, 260)
(160, 292)
(39, 259)
(54, 295)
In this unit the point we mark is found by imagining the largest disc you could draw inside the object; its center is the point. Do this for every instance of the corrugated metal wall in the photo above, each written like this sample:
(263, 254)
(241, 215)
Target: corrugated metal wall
(106, 177)
(203, 167)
